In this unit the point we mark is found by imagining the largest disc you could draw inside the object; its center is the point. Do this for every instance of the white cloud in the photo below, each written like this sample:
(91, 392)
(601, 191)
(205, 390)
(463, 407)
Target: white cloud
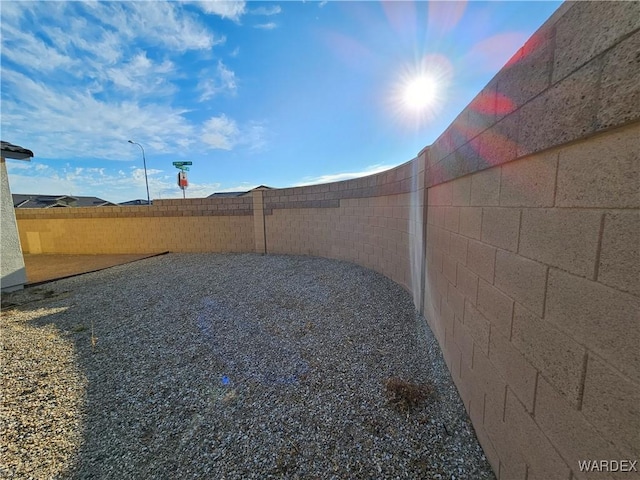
(223, 80)
(19, 165)
(83, 82)
(337, 177)
(14, 10)
(194, 190)
(94, 45)
(221, 132)
(142, 76)
(32, 52)
(232, 10)
(114, 186)
(266, 26)
(75, 124)
(165, 185)
(224, 133)
(255, 137)
(243, 187)
(160, 23)
(267, 11)
(100, 42)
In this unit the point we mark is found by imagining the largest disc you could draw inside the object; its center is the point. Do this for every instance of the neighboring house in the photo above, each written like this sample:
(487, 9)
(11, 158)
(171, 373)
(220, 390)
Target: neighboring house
(226, 194)
(134, 203)
(57, 201)
(238, 194)
(12, 271)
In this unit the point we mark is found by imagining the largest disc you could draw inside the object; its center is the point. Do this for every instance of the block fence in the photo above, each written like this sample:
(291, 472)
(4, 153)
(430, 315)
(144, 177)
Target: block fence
(517, 234)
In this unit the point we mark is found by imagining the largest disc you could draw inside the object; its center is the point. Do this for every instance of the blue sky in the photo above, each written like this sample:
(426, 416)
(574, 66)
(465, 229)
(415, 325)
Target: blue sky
(275, 93)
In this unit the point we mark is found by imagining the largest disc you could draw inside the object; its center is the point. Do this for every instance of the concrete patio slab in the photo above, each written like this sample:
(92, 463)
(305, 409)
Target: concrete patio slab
(47, 267)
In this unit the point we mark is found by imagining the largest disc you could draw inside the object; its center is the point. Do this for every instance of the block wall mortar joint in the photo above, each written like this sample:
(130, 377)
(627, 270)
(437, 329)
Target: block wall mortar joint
(596, 267)
(535, 394)
(504, 402)
(555, 186)
(519, 230)
(583, 378)
(513, 314)
(552, 57)
(544, 297)
(596, 105)
(484, 406)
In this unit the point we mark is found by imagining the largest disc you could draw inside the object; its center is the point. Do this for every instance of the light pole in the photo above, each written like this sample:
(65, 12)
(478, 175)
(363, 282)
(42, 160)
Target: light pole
(144, 162)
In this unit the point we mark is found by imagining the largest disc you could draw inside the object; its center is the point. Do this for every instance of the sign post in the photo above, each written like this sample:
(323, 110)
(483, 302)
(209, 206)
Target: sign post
(183, 182)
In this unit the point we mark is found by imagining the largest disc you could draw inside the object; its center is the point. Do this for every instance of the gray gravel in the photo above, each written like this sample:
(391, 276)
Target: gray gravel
(225, 367)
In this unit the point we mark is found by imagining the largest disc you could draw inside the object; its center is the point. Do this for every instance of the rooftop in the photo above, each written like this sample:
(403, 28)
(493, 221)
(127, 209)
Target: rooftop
(9, 150)
(56, 201)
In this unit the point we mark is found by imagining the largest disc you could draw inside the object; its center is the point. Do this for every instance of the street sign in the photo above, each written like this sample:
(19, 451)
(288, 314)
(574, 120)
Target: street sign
(182, 180)
(181, 164)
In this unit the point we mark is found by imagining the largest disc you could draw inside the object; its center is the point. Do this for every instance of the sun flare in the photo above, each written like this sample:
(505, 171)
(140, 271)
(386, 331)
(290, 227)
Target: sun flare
(420, 93)
(421, 90)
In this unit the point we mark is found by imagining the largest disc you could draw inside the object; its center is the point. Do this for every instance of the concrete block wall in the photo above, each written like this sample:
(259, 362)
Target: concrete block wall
(374, 221)
(533, 277)
(533, 234)
(193, 225)
(576, 76)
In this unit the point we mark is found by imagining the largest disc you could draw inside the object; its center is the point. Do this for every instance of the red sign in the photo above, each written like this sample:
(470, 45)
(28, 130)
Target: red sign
(182, 180)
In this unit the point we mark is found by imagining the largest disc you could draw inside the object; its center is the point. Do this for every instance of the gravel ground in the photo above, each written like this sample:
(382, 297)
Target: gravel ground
(226, 367)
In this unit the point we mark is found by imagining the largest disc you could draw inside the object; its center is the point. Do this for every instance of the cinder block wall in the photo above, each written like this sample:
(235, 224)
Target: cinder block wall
(533, 234)
(533, 273)
(373, 221)
(193, 225)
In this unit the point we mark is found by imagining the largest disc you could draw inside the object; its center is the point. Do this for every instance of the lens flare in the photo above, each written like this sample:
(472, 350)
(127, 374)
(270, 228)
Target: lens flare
(420, 91)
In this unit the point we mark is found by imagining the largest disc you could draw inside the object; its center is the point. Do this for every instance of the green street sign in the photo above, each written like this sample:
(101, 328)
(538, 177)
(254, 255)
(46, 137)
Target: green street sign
(180, 164)
(184, 168)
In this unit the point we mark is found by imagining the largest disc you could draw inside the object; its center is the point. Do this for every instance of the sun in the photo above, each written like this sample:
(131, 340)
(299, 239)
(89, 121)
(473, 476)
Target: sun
(420, 90)
(420, 93)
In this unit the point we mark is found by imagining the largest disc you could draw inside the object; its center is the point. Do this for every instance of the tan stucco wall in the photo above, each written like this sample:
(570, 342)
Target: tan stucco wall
(528, 268)
(13, 274)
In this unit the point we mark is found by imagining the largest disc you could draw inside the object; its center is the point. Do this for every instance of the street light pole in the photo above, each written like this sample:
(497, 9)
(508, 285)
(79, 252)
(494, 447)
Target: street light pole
(144, 162)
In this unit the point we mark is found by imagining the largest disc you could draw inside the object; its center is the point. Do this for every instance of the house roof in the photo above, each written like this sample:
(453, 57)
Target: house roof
(9, 150)
(137, 201)
(239, 194)
(52, 201)
(226, 194)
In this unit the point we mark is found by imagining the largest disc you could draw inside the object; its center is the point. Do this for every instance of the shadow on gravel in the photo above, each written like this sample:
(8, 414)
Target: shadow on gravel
(248, 366)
